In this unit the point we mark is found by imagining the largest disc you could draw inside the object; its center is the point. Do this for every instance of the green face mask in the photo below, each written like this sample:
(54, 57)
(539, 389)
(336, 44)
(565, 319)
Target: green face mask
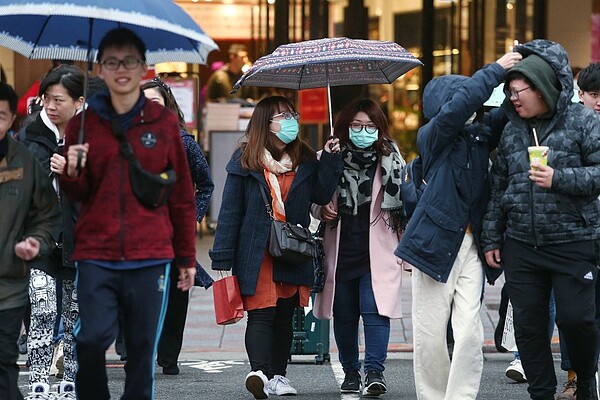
(363, 139)
(288, 131)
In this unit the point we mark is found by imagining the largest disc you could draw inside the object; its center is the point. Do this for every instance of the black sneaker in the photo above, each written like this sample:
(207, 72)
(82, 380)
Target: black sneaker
(586, 389)
(352, 382)
(374, 384)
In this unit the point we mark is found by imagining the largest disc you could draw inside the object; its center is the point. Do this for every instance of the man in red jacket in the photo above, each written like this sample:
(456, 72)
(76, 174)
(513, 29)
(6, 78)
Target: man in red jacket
(124, 250)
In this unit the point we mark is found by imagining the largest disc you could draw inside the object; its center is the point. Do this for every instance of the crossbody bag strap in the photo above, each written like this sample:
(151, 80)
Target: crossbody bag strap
(263, 192)
(124, 146)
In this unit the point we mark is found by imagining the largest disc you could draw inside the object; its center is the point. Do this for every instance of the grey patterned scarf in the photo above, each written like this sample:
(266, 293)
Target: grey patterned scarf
(356, 187)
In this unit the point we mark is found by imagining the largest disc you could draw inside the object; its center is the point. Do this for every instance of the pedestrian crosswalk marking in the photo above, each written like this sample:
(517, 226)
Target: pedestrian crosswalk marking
(212, 367)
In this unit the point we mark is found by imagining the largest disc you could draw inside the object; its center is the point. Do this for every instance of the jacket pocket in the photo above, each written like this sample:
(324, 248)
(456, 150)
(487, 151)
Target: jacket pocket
(441, 219)
(434, 237)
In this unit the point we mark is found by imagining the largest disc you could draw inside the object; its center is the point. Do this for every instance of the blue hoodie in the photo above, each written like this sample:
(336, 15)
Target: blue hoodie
(456, 194)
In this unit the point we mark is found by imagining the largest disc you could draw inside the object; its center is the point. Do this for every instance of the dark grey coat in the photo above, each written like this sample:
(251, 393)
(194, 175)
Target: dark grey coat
(570, 210)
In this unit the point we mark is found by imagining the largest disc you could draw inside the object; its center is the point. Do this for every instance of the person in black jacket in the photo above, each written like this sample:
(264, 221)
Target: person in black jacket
(171, 338)
(543, 221)
(62, 95)
(441, 239)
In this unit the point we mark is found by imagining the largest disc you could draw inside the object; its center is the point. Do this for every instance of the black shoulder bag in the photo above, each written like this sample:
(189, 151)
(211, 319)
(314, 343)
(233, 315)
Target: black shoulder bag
(152, 190)
(291, 244)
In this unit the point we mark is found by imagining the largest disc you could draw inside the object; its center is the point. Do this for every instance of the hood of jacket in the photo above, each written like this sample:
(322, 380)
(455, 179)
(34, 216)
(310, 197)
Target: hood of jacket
(42, 130)
(101, 104)
(556, 56)
(438, 92)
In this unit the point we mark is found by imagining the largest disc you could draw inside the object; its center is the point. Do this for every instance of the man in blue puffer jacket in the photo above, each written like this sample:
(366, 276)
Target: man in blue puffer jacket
(442, 238)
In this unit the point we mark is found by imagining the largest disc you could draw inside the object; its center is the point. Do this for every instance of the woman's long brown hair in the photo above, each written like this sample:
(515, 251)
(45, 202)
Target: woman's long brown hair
(259, 136)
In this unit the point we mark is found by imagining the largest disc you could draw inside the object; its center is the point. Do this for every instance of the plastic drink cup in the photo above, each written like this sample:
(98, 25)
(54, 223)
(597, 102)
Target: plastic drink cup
(538, 154)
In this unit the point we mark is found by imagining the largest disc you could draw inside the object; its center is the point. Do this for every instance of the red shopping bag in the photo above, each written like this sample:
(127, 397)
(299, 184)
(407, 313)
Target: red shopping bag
(229, 308)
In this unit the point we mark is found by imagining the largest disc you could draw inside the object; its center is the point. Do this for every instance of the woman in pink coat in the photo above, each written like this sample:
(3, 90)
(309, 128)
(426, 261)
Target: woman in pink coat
(363, 221)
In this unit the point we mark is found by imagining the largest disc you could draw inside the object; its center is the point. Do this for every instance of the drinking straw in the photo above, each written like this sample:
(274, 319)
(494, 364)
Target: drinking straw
(535, 137)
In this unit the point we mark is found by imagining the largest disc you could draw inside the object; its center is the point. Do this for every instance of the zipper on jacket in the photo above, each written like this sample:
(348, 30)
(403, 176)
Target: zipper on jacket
(122, 211)
(531, 209)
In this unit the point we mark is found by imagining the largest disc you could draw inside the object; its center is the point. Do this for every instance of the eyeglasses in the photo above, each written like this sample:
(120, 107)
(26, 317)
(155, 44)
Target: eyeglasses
(514, 94)
(287, 115)
(357, 128)
(112, 64)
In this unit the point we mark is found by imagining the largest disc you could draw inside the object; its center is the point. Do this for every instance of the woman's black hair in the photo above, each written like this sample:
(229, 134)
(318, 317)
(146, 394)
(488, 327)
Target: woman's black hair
(70, 76)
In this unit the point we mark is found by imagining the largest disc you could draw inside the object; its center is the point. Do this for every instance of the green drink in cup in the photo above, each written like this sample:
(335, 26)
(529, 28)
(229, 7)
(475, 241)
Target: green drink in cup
(538, 154)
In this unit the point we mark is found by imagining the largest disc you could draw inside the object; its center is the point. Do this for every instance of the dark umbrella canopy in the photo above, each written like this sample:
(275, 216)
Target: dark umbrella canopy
(330, 62)
(62, 29)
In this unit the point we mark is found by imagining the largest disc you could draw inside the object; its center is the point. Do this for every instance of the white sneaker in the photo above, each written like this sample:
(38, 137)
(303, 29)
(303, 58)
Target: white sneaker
(66, 391)
(280, 386)
(515, 371)
(258, 384)
(40, 391)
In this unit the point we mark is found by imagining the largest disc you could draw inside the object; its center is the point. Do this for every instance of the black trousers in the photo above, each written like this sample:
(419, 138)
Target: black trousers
(531, 273)
(171, 337)
(269, 337)
(140, 294)
(10, 328)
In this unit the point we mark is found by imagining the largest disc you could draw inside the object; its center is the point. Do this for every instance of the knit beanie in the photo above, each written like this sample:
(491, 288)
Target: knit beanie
(541, 75)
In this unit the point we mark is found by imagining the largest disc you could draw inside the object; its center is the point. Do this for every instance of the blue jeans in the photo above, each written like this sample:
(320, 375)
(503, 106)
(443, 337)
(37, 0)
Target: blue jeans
(353, 299)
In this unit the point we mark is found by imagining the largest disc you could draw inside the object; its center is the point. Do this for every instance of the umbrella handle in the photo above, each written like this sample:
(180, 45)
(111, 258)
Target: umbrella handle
(79, 159)
(331, 136)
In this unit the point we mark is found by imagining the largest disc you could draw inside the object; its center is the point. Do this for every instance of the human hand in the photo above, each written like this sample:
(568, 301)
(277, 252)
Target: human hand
(36, 105)
(541, 175)
(332, 145)
(492, 258)
(186, 278)
(328, 212)
(72, 156)
(510, 59)
(57, 163)
(27, 249)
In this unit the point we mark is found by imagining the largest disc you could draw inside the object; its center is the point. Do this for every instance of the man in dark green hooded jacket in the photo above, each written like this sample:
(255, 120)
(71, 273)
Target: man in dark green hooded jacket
(542, 223)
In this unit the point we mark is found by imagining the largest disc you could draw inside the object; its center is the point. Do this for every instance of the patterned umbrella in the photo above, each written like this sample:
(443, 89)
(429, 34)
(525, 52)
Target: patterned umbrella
(329, 62)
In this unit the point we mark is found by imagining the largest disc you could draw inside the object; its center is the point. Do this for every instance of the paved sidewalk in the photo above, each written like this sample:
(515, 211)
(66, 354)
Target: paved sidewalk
(203, 335)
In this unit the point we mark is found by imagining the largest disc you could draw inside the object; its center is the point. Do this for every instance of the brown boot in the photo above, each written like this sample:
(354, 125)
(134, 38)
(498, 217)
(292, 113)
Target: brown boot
(570, 387)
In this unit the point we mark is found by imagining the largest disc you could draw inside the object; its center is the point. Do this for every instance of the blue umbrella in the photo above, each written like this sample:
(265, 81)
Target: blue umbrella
(72, 29)
(330, 62)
